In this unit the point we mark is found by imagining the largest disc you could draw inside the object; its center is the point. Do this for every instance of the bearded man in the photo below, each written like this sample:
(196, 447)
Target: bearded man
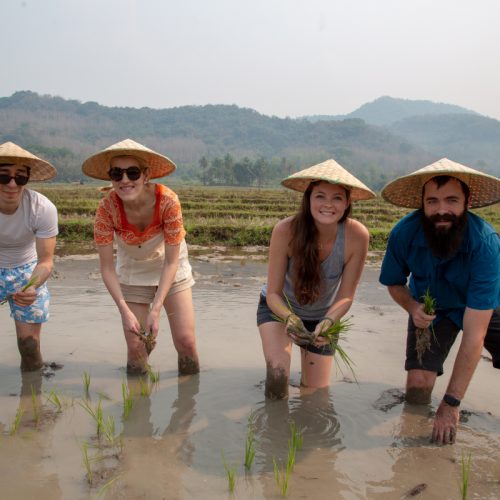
(454, 255)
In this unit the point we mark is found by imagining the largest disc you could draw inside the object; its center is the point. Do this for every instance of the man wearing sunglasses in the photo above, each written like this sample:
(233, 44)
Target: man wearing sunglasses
(28, 229)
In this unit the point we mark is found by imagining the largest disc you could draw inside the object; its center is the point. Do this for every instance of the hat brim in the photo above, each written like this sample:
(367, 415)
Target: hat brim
(40, 170)
(406, 191)
(332, 172)
(97, 165)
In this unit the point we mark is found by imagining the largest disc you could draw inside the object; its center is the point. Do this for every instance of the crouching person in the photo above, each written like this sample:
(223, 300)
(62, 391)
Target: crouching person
(28, 229)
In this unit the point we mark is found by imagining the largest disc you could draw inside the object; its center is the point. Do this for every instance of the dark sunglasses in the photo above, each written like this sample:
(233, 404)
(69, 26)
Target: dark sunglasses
(19, 179)
(116, 173)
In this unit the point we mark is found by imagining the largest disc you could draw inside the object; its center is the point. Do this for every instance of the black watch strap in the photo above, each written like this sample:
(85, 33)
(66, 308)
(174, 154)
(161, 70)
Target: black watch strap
(451, 400)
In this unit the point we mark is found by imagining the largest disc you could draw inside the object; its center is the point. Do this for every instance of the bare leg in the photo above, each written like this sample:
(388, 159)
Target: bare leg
(180, 312)
(419, 385)
(28, 342)
(137, 356)
(316, 369)
(277, 348)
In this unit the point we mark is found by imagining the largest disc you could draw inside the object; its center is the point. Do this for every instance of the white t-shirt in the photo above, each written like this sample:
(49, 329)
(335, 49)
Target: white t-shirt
(36, 217)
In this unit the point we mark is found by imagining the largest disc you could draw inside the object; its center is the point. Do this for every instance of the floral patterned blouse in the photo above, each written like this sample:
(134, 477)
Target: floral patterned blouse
(111, 219)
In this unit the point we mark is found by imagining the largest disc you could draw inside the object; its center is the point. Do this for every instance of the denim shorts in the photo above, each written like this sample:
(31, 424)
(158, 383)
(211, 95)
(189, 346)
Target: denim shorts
(265, 315)
(12, 280)
(445, 333)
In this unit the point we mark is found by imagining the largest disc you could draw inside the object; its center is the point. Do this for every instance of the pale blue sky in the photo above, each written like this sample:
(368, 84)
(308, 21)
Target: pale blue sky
(279, 57)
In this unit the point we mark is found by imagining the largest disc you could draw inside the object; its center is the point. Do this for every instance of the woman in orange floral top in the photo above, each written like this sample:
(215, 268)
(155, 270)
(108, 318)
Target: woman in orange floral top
(152, 268)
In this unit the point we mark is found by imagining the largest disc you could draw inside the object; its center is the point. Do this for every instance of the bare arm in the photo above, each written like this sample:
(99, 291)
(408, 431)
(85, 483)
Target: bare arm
(112, 283)
(278, 262)
(167, 276)
(402, 296)
(45, 263)
(474, 331)
(357, 239)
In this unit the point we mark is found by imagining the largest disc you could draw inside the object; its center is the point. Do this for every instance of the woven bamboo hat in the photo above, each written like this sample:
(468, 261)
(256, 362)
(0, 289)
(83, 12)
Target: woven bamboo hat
(97, 165)
(406, 191)
(329, 171)
(40, 170)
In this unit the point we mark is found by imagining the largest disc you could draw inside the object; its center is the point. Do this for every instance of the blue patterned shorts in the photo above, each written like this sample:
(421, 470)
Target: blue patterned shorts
(11, 281)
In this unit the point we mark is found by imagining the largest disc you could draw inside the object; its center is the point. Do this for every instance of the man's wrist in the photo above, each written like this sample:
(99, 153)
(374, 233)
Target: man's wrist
(451, 400)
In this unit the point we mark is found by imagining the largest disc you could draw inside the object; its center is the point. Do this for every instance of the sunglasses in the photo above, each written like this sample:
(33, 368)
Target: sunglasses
(116, 173)
(19, 179)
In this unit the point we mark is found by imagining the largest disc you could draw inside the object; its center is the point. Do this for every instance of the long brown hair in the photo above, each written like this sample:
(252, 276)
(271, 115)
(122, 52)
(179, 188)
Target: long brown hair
(304, 249)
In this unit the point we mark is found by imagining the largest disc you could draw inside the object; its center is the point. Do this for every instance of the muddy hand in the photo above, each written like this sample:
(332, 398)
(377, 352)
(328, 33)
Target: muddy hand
(147, 339)
(445, 424)
(296, 330)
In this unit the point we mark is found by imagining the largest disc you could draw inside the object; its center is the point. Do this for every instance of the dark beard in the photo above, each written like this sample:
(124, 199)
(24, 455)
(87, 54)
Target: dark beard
(442, 242)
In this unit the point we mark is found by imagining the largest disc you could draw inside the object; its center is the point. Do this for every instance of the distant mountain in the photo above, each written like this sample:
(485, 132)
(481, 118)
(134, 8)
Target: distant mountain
(66, 131)
(470, 139)
(386, 110)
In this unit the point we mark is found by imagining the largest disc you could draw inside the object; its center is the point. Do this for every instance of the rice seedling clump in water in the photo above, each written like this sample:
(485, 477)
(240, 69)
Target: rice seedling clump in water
(423, 335)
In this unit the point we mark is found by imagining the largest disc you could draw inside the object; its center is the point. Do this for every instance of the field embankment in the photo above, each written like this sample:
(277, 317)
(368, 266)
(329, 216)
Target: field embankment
(226, 216)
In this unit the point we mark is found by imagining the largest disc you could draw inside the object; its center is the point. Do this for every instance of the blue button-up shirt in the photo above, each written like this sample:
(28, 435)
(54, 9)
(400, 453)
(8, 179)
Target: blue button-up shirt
(471, 278)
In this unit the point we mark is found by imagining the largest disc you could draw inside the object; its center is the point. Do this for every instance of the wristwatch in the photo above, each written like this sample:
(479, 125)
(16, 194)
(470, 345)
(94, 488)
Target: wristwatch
(451, 400)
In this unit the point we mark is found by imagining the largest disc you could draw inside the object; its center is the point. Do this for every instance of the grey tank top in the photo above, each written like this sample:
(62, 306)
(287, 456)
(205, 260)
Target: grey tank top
(331, 274)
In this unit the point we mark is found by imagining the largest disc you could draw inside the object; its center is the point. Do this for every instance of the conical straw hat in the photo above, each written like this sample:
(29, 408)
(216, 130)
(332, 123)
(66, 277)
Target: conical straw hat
(329, 171)
(97, 165)
(40, 170)
(406, 191)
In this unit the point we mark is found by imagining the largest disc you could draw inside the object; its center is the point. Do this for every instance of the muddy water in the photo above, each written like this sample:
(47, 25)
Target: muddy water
(360, 441)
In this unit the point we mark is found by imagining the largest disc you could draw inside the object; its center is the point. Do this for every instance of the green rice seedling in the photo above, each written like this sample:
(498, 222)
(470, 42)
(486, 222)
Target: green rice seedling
(86, 383)
(154, 377)
(109, 429)
(332, 334)
(34, 404)
(103, 395)
(230, 473)
(17, 421)
(128, 402)
(96, 414)
(466, 463)
(295, 443)
(105, 487)
(296, 436)
(249, 444)
(145, 388)
(33, 281)
(53, 398)
(423, 335)
(86, 463)
(282, 477)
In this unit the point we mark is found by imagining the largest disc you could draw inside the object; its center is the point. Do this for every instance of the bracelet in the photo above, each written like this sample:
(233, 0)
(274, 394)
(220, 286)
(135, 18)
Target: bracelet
(287, 318)
(329, 319)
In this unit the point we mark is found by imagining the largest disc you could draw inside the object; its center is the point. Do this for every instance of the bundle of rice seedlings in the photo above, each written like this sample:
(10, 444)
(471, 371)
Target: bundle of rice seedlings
(147, 339)
(32, 282)
(423, 335)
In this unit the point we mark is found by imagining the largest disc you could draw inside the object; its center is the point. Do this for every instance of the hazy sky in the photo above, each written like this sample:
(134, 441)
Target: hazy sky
(279, 57)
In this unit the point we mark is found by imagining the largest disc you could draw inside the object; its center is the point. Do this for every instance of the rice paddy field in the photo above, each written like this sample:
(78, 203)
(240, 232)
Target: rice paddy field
(227, 216)
(81, 428)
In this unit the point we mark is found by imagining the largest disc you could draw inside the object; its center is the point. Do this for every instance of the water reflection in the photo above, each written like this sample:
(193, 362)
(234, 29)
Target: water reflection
(155, 463)
(24, 477)
(313, 413)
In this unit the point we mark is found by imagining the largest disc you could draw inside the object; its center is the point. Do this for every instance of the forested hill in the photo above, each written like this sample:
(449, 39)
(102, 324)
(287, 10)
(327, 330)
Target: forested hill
(387, 110)
(214, 144)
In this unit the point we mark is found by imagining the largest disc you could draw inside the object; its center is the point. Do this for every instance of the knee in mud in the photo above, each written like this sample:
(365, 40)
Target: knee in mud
(188, 366)
(31, 359)
(418, 395)
(276, 382)
(28, 346)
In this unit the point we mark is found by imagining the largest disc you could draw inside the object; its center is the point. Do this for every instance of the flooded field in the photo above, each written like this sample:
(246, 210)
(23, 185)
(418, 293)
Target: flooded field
(170, 441)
